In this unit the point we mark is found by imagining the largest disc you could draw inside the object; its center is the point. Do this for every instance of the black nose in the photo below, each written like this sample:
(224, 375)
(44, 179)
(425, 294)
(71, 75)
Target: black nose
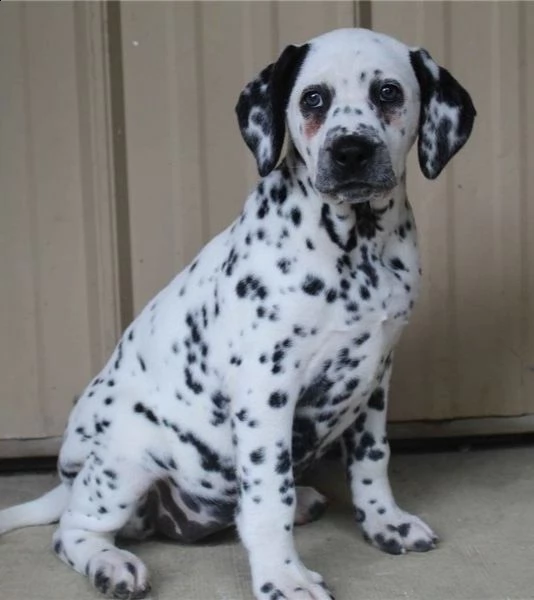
(352, 152)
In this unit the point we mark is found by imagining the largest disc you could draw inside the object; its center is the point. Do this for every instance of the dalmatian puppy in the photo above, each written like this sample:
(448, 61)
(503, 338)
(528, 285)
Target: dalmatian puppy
(277, 340)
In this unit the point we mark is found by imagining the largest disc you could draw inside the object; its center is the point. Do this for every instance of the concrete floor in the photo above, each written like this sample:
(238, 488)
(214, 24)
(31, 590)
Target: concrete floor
(479, 502)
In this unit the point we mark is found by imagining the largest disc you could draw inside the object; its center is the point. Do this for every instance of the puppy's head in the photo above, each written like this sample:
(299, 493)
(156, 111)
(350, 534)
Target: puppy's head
(354, 101)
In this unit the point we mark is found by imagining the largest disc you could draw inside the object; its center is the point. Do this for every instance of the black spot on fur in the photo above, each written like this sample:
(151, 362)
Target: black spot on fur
(251, 287)
(193, 385)
(140, 408)
(313, 285)
(101, 581)
(397, 264)
(328, 224)
(258, 456)
(376, 401)
(376, 454)
(142, 363)
(277, 399)
(296, 216)
(362, 339)
(283, 462)
(284, 265)
(331, 295)
(389, 545)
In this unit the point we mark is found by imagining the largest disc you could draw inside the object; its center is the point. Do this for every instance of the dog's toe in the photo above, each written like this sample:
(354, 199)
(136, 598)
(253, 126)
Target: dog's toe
(119, 574)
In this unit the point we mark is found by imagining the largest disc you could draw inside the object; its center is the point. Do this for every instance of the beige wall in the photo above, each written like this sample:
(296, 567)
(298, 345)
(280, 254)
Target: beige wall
(58, 300)
(470, 348)
(120, 157)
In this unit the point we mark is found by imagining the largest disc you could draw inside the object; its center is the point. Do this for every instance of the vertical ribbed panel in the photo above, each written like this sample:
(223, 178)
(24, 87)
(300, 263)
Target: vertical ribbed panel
(57, 304)
(469, 349)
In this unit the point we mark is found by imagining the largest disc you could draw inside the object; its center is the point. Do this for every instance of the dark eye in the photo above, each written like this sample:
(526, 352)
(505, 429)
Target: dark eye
(312, 99)
(390, 92)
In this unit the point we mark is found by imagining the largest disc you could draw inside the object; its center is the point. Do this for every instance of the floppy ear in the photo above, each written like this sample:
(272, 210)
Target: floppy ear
(262, 106)
(446, 117)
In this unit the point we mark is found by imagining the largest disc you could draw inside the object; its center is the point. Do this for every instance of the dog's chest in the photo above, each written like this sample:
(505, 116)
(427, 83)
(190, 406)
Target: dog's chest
(373, 302)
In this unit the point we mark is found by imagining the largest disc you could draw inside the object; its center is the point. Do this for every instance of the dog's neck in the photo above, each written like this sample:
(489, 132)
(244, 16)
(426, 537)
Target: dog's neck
(347, 222)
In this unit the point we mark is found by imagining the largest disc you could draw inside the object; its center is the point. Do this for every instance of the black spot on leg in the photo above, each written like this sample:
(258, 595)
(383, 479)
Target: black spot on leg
(377, 401)
(288, 500)
(376, 454)
(360, 515)
(367, 440)
(277, 399)
(362, 339)
(283, 462)
(359, 423)
(142, 363)
(258, 456)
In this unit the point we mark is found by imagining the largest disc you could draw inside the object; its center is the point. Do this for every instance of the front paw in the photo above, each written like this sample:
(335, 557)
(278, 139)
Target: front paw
(395, 531)
(291, 582)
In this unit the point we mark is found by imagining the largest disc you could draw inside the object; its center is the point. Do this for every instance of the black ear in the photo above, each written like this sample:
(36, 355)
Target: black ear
(262, 106)
(447, 114)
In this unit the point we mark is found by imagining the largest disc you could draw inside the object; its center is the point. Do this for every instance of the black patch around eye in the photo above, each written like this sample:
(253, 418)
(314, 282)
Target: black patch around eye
(379, 91)
(325, 92)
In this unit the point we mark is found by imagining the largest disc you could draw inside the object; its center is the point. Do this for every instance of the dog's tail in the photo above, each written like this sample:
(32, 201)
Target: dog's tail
(46, 509)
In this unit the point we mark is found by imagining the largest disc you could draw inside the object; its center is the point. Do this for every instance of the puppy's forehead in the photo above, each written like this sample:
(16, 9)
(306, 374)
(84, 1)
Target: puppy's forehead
(347, 53)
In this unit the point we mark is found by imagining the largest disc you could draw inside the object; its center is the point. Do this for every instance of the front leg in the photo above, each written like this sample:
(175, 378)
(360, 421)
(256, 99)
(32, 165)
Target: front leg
(367, 453)
(262, 421)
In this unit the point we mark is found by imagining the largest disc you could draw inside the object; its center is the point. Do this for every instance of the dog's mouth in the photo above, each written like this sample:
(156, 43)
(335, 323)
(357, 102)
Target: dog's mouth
(356, 191)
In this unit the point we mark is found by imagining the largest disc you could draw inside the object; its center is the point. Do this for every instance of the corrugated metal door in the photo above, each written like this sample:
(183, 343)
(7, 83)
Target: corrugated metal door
(59, 294)
(120, 157)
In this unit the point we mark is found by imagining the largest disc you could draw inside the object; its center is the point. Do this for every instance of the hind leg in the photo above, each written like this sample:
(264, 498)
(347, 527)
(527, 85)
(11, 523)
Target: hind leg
(104, 497)
(310, 505)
